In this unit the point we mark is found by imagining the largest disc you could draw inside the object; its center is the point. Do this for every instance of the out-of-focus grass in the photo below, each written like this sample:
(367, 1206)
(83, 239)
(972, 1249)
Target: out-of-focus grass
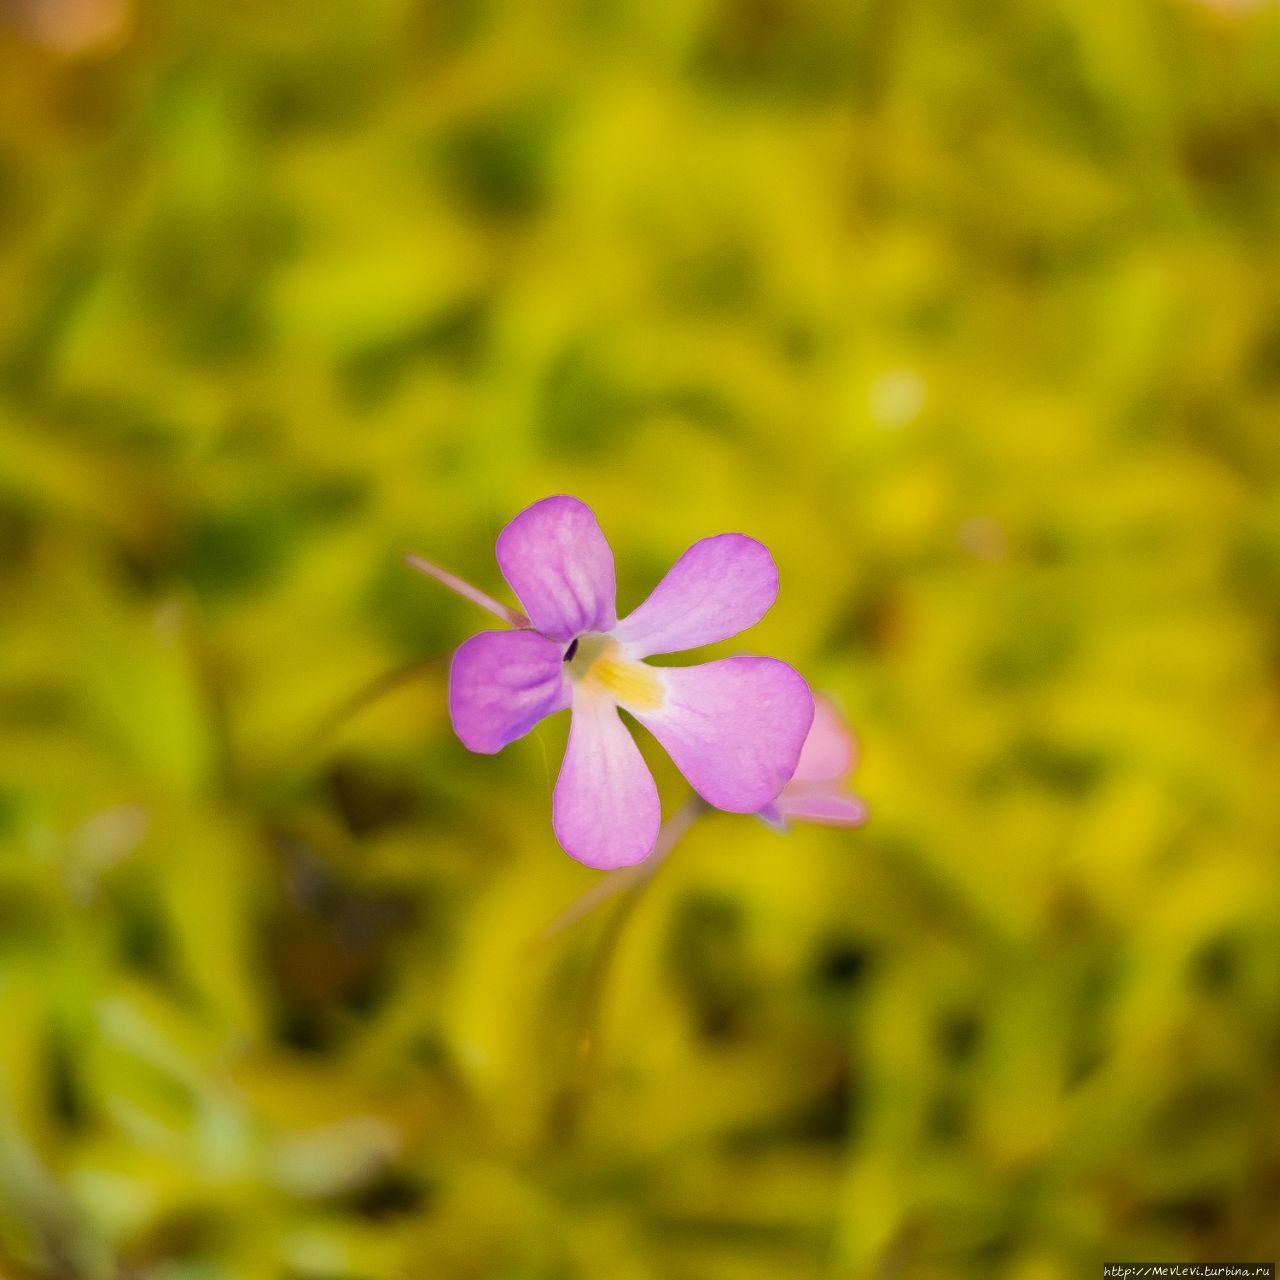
(971, 311)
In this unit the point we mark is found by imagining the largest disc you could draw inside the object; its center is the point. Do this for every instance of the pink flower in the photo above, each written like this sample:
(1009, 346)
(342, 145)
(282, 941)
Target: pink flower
(817, 792)
(734, 728)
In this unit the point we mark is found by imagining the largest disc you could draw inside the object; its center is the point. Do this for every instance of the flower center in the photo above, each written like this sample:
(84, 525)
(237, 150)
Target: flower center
(597, 663)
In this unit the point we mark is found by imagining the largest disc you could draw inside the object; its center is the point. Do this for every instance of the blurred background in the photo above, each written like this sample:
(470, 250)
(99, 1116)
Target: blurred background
(971, 311)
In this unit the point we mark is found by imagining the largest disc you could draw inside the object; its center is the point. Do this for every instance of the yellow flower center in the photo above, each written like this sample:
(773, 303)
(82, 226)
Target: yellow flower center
(598, 665)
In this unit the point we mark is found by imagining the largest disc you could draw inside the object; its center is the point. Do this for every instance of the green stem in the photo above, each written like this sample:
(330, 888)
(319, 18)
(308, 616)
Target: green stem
(366, 695)
(587, 1036)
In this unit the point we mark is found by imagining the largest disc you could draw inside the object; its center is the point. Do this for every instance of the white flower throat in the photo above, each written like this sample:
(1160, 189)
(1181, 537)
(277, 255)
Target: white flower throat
(597, 664)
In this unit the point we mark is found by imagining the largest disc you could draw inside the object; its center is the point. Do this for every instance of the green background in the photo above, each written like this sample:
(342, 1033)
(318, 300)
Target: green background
(969, 309)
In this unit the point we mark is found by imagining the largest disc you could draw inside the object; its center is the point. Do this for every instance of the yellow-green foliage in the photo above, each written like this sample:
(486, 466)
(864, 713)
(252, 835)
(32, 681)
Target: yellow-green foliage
(970, 309)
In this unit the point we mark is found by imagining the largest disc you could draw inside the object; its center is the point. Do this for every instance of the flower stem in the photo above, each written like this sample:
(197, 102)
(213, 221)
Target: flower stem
(615, 882)
(586, 1040)
(513, 617)
(370, 692)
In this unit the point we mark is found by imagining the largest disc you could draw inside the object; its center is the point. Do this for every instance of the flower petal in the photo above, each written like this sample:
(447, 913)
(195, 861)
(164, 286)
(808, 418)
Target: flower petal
(605, 810)
(733, 727)
(720, 586)
(824, 806)
(501, 683)
(557, 561)
(830, 750)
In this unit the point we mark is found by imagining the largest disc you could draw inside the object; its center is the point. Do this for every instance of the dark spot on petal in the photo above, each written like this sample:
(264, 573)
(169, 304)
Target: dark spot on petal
(571, 650)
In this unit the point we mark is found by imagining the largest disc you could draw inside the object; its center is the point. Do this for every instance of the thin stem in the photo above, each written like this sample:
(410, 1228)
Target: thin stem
(585, 1048)
(351, 706)
(513, 617)
(377, 688)
(615, 882)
